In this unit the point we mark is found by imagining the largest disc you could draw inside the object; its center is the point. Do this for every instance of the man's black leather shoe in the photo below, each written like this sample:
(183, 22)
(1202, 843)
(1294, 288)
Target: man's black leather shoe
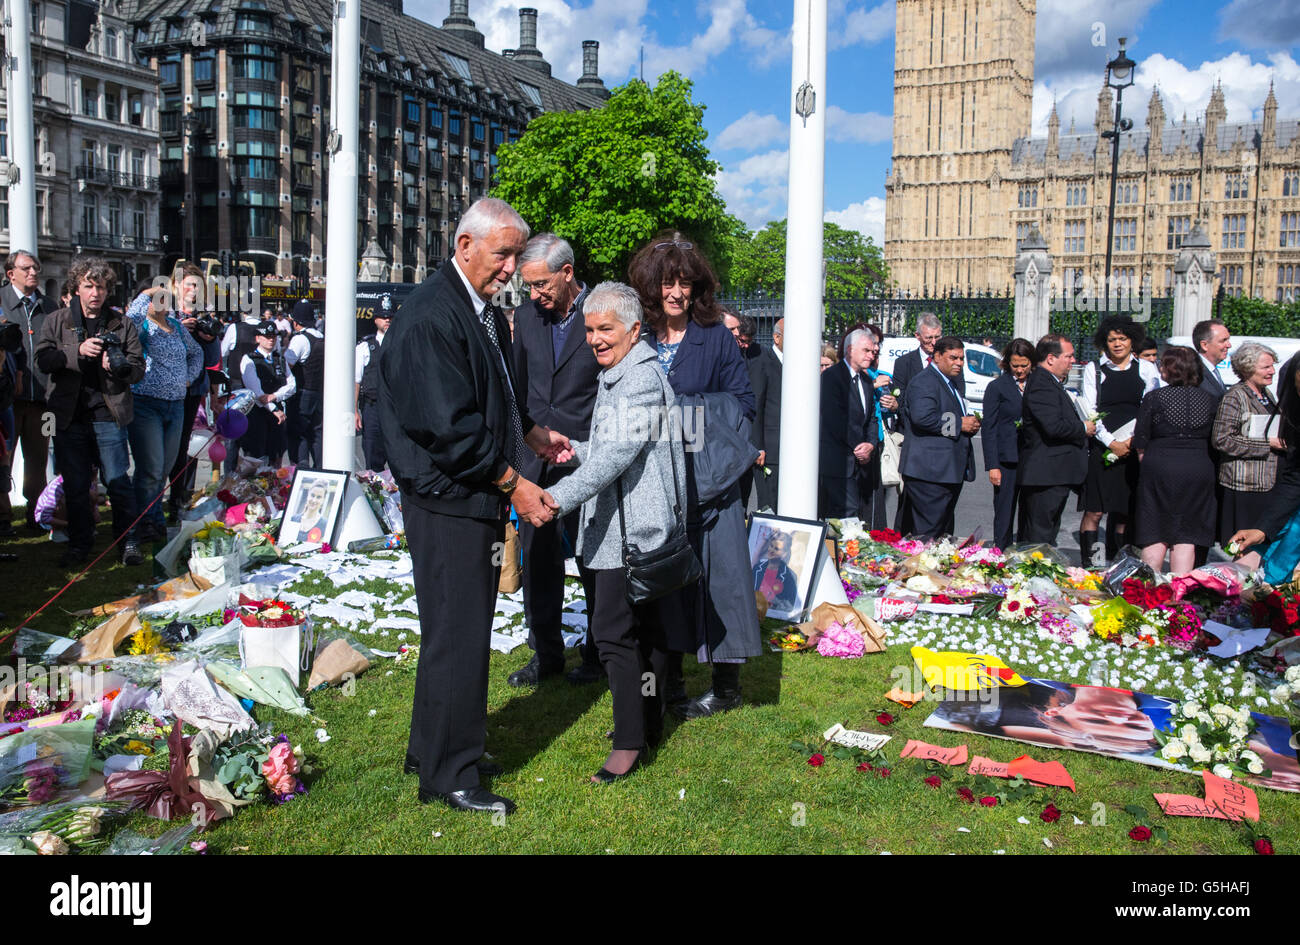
(711, 703)
(532, 673)
(582, 674)
(486, 767)
(471, 799)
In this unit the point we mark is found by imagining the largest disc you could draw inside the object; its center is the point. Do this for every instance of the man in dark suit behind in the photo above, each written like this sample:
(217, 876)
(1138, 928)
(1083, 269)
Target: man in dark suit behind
(849, 432)
(1054, 450)
(455, 436)
(765, 432)
(928, 332)
(23, 305)
(938, 454)
(556, 371)
(1211, 341)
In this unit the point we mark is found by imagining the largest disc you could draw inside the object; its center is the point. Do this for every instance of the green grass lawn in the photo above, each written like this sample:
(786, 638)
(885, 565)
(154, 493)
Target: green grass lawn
(726, 784)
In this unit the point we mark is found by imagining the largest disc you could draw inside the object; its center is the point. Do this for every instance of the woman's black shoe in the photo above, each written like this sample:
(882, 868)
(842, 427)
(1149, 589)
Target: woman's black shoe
(604, 776)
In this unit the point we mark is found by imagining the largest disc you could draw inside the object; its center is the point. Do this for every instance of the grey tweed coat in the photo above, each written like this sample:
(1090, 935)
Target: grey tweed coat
(629, 439)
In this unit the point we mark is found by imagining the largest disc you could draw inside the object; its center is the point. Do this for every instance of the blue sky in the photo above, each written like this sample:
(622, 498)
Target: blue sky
(738, 54)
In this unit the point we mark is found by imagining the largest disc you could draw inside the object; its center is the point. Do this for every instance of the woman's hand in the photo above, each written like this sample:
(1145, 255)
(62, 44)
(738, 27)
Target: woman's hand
(1121, 448)
(1277, 443)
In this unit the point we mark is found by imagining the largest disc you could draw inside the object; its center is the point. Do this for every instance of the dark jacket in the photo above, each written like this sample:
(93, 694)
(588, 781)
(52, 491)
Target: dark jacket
(708, 361)
(32, 380)
(999, 428)
(934, 447)
(1211, 383)
(906, 368)
(844, 424)
(765, 377)
(718, 450)
(1054, 443)
(559, 395)
(58, 357)
(443, 401)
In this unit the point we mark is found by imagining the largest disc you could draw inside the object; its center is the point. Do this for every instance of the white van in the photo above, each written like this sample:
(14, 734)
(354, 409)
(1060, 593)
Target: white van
(982, 364)
(1285, 348)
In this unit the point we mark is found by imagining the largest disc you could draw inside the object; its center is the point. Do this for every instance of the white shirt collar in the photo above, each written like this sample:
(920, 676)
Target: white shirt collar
(475, 299)
(779, 356)
(1212, 368)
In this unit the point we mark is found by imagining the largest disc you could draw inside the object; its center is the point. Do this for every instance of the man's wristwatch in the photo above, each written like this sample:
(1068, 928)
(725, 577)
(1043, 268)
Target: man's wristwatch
(507, 486)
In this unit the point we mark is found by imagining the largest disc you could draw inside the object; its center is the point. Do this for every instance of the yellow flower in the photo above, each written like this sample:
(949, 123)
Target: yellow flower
(134, 747)
(1038, 555)
(144, 642)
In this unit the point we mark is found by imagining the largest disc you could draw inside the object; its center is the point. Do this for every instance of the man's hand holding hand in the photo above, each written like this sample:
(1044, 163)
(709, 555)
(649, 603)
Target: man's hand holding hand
(530, 501)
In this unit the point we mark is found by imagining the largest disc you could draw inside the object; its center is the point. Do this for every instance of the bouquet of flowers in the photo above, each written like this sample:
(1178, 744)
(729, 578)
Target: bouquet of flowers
(213, 541)
(1183, 627)
(38, 702)
(1281, 609)
(1120, 622)
(74, 825)
(136, 732)
(268, 613)
(1214, 732)
(252, 764)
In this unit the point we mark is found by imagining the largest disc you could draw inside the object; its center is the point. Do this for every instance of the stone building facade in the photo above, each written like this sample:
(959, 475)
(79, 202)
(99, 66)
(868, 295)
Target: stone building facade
(968, 184)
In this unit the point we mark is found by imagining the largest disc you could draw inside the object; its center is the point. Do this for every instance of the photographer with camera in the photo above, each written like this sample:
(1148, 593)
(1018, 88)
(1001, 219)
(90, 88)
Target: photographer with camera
(173, 361)
(92, 356)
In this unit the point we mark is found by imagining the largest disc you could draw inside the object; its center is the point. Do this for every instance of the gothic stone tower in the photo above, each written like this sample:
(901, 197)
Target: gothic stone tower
(963, 93)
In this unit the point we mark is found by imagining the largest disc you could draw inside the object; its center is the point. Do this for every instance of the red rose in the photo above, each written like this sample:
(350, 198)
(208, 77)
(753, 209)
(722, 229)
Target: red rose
(883, 772)
(884, 718)
(1292, 616)
(966, 794)
(1140, 834)
(817, 760)
(864, 767)
(1013, 605)
(1264, 846)
(1164, 593)
(989, 801)
(1050, 814)
(940, 599)
(934, 780)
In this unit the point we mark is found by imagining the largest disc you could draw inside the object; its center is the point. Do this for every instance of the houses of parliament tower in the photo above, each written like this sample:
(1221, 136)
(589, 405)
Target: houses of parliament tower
(968, 183)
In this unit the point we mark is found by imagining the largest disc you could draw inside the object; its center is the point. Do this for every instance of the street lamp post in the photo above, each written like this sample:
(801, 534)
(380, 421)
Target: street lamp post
(190, 127)
(1119, 76)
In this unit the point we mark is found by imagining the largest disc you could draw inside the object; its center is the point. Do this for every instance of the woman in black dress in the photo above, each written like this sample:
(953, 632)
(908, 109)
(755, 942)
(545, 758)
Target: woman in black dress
(1000, 433)
(1175, 504)
(1114, 386)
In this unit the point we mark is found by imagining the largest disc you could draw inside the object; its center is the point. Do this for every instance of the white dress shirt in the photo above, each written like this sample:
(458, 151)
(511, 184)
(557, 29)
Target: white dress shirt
(363, 355)
(1090, 391)
(248, 373)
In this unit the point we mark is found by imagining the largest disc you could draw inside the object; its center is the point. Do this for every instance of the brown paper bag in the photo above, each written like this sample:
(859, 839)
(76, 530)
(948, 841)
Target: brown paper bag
(177, 588)
(510, 570)
(102, 642)
(825, 614)
(335, 660)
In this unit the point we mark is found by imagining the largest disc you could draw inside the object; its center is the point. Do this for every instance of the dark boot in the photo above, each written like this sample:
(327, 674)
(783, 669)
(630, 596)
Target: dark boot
(1087, 546)
(674, 683)
(1115, 535)
(723, 697)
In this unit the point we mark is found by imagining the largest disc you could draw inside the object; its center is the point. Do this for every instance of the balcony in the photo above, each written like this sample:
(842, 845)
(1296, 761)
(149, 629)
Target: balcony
(100, 175)
(118, 241)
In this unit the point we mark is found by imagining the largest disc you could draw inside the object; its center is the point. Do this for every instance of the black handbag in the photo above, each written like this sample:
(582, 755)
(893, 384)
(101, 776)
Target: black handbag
(660, 571)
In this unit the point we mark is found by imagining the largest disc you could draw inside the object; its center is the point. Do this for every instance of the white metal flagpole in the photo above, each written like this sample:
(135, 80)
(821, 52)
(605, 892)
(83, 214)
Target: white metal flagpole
(22, 127)
(801, 370)
(339, 417)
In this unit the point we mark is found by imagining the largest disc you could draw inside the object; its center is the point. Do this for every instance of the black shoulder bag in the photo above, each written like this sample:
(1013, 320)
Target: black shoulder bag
(671, 566)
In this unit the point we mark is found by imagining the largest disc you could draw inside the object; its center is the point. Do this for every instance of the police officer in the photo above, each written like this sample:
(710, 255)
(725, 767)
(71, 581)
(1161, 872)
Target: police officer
(367, 388)
(305, 357)
(264, 373)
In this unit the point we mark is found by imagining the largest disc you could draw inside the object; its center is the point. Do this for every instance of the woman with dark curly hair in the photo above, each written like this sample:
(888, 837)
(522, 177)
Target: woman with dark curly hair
(1176, 508)
(719, 620)
(1114, 386)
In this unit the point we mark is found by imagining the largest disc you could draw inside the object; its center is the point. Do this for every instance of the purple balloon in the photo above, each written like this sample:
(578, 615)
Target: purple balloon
(232, 424)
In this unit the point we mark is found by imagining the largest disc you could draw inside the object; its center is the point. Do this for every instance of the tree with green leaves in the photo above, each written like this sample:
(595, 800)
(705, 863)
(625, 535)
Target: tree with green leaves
(610, 178)
(855, 265)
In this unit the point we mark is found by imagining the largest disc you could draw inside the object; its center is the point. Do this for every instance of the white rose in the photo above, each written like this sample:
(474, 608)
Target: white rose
(1281, 693)
(1293, 674)
(1200, 754)
(1190, 734)
(1223, 771)
(48, 844)
(1255, 767)
(1174, 750)
(1190, 709)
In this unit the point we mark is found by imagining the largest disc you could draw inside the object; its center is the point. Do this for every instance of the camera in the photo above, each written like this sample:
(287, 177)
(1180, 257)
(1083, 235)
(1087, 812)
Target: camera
(208, 325)
(11, 337)
(118, 364)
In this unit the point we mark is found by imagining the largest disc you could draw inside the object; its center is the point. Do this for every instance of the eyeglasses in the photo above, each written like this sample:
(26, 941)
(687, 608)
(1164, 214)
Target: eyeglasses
(32, 268)
(541, 284)
(679, 243)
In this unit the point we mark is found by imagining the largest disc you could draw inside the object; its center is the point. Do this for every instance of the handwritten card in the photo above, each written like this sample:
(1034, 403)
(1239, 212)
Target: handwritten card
(927, 752)
(1050, 773)
(989, 768)
(1235, 800)
(1184, 805)
(903, 698)
(867, 741)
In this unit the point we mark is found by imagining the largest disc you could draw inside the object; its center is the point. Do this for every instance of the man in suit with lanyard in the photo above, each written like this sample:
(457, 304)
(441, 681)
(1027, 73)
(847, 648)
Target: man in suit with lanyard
(849, 432)
(26, 307)
(456, 436)
(556, 371)
(938, 454)
(1054, 453)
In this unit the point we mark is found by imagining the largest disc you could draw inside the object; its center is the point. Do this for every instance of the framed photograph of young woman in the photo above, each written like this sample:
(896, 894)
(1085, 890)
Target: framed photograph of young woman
(313, 509)
(783, 556)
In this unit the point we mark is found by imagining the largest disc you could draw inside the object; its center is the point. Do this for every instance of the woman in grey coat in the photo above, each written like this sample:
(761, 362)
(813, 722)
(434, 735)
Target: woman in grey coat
(631, 475)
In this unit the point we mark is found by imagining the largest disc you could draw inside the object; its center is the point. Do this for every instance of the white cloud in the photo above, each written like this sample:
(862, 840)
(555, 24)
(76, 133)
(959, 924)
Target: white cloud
(861, 25)
(1265, 23)
(866, 216)
(755, 188)
(1069, 34)
(751, 132)
(865, 127)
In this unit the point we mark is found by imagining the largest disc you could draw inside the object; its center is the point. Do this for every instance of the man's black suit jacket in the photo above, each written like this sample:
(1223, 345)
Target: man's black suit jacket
(934, 447)
(844, 423)
(443, 397)
(765, 377)
(1054, 441)
(559, 394)
(906, 368)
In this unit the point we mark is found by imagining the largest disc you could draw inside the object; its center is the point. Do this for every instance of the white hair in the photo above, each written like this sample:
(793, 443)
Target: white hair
(618, 298)
(858, 334)
(1246, 358)
(929, 320)
(485, 215)
(553, 250)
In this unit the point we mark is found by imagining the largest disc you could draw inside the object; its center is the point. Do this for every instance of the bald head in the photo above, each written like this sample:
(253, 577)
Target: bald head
(778, 334)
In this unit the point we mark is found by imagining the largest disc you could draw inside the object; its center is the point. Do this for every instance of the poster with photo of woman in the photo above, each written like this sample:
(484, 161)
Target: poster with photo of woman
(783, 556)
(313, 508)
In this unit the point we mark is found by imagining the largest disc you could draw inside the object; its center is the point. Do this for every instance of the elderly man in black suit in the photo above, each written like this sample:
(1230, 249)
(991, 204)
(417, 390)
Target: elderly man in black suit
(849, 432)
(1054, 444)
(456, 436)
(556, 371)
(938, 427)
(24, 306)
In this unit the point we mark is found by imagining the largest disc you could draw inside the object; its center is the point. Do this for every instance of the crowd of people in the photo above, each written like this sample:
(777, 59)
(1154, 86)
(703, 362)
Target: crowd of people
(475, 414)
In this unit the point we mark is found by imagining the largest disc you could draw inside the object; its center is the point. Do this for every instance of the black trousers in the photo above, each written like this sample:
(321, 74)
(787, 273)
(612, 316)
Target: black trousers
(306, 410)
(1004, 509)
(933, 506)
(631, 644)
(78, 451)
(1041, 508)
(456, 590)
(543, 583)
(767, 485)
(372, 438)
(182, 488)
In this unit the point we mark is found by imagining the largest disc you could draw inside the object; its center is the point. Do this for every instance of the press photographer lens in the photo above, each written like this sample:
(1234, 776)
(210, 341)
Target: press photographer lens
(118, 364)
